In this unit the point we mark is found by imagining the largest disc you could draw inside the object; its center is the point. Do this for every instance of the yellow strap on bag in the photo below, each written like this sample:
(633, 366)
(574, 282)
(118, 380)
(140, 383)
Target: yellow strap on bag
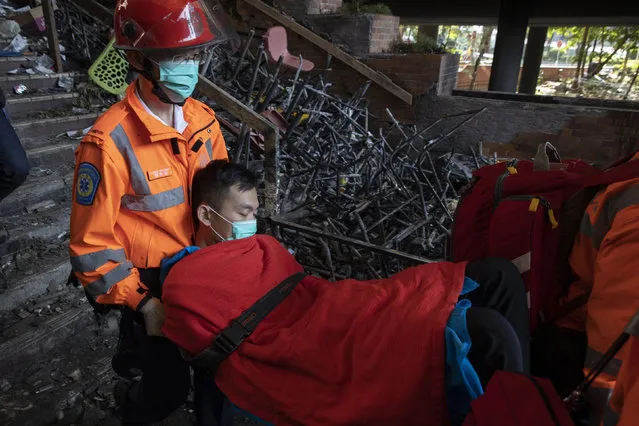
(534, 205)
(552, 219)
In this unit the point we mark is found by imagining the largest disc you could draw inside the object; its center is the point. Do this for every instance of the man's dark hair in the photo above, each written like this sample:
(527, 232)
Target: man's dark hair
(212, 183)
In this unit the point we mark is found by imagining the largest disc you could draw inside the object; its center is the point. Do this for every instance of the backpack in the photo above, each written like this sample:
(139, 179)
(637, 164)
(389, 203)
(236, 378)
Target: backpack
(513, 210)
(517, 399)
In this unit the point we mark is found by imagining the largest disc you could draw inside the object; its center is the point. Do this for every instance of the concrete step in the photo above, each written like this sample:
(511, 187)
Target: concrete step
(47, 226)
(52, 155)
(42, 185)
(10, 63)
(29, 287)
(24, 106)
(56, 363)
(43, 335)
(44, 128)
(37, 81)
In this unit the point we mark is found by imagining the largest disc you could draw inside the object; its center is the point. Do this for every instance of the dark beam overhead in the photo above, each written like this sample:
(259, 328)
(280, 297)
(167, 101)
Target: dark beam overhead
(543, 12)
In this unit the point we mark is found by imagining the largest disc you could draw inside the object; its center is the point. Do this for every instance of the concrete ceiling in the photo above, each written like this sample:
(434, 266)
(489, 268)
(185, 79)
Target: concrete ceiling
(543, 12)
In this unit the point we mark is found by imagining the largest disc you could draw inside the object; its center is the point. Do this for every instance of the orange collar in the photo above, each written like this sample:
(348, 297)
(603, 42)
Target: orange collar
(157, 130)
(194, 114)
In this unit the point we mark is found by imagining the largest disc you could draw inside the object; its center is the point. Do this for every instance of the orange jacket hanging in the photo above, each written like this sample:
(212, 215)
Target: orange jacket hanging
(624, 404)
(131, 202)
(604, 260)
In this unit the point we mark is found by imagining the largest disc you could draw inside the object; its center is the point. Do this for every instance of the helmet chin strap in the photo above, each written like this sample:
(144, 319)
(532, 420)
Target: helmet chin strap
(157, 90)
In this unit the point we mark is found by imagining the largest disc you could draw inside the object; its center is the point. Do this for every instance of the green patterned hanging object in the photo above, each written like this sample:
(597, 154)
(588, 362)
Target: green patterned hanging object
(109, 71)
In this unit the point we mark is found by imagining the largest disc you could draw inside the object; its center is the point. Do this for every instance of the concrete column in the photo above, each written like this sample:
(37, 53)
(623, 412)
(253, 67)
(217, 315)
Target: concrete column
(509, 47)
(532, 59)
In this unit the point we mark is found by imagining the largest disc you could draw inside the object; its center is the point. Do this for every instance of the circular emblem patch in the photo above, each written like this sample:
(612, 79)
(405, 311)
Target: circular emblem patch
(87, 184)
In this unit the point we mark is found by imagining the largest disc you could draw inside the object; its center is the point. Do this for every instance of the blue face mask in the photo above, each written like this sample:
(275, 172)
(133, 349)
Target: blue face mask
(240, 229)
(178, 81)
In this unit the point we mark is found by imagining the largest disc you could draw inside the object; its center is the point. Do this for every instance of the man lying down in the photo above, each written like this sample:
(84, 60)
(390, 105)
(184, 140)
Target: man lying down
(393, 351)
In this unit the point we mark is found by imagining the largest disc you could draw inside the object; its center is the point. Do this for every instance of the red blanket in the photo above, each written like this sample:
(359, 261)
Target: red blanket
(344, 353)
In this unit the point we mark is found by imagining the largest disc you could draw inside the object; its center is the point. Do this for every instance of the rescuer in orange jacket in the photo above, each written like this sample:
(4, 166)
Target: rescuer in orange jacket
(624, 404)
(603, 260)
(131, 201)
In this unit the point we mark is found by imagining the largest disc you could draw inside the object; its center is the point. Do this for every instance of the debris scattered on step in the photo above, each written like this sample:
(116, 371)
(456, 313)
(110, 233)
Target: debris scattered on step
(45, 388)
(75, 374)
(66, 83)
(77, 134)
(20, 405)
(13, 71)
(77, 110)
(20, 89)
(39, 172)
(18, 44)
(5, 385)
(21, 9)
(42, 69)
(9, 29)
(23, 314)
(71, 415)
(39, 378)
(30, 71)
(24, 260)
(45, 61)
(41, 206)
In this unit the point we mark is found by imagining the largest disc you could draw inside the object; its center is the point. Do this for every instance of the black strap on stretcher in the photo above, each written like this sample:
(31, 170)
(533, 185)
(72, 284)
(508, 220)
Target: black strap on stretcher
(240, 328)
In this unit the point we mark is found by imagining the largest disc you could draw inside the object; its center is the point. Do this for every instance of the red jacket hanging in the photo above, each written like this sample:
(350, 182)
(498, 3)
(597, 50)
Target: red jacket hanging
(345, 353)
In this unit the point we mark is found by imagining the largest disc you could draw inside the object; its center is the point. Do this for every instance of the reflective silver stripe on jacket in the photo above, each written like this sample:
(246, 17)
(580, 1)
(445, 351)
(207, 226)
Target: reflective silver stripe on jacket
(103, 285)
(92, 261)
(154, 202)
(593, 357)
(138, 179)
(597, 232)
(209, 148)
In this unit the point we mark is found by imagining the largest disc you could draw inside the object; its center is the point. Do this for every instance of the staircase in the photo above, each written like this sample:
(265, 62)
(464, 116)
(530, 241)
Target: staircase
(55, 358)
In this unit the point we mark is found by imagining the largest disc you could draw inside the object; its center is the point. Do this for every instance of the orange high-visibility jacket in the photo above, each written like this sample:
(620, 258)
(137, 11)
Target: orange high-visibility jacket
(131, 201)
(624, 405)
(605, 260)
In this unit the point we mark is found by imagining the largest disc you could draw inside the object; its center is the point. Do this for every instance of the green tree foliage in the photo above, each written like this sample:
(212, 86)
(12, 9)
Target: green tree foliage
(456, 38)
(412, 41)
(602, 47)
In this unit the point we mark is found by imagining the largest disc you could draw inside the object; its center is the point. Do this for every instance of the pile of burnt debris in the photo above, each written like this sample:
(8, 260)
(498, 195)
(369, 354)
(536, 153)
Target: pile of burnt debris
(359, 196)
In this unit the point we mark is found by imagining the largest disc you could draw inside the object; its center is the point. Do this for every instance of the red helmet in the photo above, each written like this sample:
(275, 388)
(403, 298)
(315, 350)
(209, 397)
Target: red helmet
(165, 24)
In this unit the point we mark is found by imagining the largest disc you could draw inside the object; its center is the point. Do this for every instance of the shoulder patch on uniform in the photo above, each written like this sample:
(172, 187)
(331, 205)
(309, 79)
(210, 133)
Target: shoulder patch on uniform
(87, 185)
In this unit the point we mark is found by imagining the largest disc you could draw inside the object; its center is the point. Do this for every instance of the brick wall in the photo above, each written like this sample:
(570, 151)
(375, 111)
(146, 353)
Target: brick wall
(419, 73)
(299, 9)
(384, 33)
(601, 140)
(317, 7)
(516, 128)
(361, 34)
